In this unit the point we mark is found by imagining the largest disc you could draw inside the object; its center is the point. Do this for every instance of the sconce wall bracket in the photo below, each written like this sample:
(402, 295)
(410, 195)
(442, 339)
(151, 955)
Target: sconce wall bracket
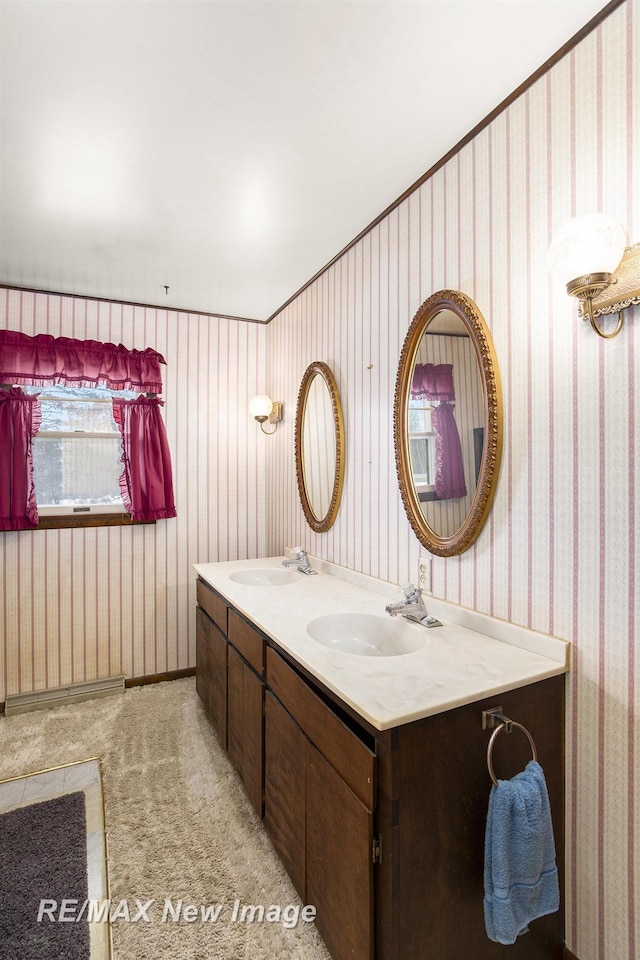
(623, 291)
(276, 412)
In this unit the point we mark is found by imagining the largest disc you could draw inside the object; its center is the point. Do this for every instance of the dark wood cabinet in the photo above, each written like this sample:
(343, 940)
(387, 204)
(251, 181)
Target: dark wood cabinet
(235, 709)
(322, 832)
(432, 799)
(284, 790)
(231, 690)
(211, 672)
(245, 725)
(319, 801)
(247, 641)
(382, 831)
(339, 853)
(203, 664)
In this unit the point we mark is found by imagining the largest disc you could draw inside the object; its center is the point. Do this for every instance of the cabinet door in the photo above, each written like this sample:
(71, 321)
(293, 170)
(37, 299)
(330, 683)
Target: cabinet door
(245, 726)
(202, 658)
(235, 709)
(213, 605)
(341, 747)
(284, 789)
(211, 672)
(253, 760)
(247, 641)
(339, 835)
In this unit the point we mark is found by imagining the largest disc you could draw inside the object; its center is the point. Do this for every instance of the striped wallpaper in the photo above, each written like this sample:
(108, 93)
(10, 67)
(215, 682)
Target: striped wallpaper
(559, 551)
(86, 603)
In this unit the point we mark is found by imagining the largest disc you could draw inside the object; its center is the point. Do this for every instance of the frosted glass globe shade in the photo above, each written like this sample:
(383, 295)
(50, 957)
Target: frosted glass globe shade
(593, 243)
(260, 406)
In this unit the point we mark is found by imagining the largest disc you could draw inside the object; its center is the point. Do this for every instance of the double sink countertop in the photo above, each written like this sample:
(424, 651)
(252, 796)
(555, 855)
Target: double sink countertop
(470, 657)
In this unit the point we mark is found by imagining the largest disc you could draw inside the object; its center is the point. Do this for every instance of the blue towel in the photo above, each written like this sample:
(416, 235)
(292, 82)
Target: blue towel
(520, 872)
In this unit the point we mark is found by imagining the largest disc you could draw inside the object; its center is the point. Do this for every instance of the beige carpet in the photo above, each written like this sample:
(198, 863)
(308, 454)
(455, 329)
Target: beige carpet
(179, 826)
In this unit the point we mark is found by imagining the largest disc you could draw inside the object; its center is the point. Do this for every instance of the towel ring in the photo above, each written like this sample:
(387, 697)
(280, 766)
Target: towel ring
(493, 737)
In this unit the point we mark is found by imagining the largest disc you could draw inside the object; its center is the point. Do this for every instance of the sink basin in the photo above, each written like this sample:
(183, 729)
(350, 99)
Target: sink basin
(367, 635)
(264, 577)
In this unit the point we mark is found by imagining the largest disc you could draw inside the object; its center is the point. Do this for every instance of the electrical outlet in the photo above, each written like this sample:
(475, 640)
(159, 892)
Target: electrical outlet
(425, 565)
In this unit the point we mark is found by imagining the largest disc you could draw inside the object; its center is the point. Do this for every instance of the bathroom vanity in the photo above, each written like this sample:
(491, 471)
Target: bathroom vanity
(370, 772)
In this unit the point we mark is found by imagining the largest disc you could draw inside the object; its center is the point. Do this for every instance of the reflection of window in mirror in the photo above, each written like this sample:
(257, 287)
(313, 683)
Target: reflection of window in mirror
(422, 446)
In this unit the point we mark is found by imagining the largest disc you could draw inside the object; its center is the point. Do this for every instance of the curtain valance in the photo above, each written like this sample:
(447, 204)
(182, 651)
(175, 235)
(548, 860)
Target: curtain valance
(434, 381)
(44, 359)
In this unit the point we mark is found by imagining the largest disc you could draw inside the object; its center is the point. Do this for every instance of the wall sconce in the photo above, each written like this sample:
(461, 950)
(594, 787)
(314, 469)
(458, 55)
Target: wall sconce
(263, 409)
(589, 256)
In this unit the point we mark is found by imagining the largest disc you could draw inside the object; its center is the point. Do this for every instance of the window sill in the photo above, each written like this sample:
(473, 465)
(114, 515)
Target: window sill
(61, 522)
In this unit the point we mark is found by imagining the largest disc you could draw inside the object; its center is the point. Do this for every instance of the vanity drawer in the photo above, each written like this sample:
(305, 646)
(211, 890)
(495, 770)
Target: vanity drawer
(246, 640)
(347, 754)
(212, 604)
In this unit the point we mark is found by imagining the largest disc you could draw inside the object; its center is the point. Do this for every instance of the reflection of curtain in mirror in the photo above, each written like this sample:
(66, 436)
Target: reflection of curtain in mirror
(449, 479)
(434, 381)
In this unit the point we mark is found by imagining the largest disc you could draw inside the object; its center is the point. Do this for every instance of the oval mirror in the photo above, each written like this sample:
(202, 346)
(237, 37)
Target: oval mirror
(319, 446)
(448, 423)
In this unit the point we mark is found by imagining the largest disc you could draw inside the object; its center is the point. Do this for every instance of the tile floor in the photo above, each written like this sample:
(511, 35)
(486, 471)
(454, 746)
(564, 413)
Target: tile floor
(47, 784)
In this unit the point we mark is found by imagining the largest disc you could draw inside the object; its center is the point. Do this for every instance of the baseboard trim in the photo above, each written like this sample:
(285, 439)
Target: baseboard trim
(568, 955)
(88, 691)
(59, 696)
(160, 677)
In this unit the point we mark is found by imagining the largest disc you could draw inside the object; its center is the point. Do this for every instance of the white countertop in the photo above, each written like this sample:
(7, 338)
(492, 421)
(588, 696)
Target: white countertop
(457, 665)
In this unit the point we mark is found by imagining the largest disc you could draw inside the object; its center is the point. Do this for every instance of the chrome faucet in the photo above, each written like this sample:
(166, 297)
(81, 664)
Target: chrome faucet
(412, 607)
(300, 561)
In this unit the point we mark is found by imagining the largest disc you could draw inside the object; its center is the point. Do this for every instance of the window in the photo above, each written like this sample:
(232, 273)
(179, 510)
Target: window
(422, 447)
(77, 451)
(82, 423)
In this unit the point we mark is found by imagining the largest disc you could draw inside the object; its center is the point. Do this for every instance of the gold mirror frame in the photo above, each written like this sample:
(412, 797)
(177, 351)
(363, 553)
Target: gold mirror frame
(461, 305)
(320, 369)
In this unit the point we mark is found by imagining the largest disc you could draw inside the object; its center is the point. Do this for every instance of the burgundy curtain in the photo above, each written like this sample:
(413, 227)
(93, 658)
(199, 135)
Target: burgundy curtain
(434, 381)
(146, 482)
(449, 479)
(19, 423)
(44, 359)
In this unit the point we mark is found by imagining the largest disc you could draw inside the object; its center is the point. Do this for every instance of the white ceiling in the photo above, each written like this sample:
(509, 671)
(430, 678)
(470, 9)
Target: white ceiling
(229, 150)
